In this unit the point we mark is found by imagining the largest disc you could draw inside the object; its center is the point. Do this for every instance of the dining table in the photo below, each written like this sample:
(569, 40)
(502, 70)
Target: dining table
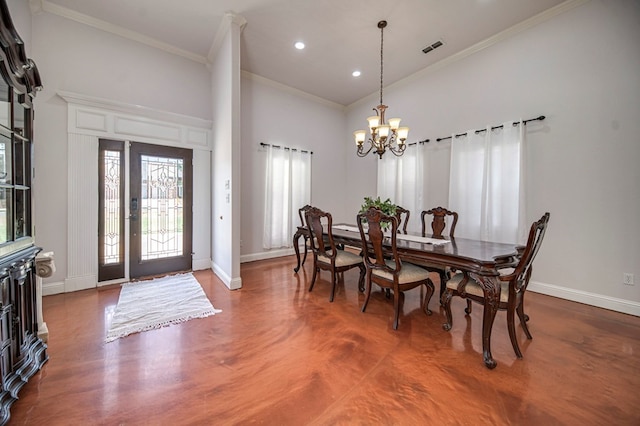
(481, 260)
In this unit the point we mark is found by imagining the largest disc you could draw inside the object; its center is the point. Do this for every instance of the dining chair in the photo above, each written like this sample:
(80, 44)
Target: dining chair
(389, 272)
(439, 223)
(513, 286)
(301, 211)
(326, 254)
(402, 215)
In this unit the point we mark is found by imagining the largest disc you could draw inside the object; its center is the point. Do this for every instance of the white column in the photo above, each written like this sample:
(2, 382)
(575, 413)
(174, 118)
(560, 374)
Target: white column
(45, 267)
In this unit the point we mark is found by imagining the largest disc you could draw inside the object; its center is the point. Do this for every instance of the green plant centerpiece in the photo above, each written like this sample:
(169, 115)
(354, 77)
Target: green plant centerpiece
(386, 206)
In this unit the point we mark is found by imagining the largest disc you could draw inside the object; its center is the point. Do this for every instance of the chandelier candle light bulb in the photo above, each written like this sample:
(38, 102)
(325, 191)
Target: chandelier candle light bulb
(383, 135)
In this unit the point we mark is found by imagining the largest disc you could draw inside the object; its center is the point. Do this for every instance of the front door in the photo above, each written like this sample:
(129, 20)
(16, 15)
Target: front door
(160, 214)
(158, 204)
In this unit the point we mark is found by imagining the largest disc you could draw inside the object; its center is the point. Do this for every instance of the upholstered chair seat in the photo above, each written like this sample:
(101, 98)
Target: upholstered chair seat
(343, 258)
(474, 288)
(408, 273)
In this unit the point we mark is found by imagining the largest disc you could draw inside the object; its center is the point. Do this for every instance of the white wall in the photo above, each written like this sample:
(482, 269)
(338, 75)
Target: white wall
(280, 116)
(21, 17)
(77, 58)
(581, 70)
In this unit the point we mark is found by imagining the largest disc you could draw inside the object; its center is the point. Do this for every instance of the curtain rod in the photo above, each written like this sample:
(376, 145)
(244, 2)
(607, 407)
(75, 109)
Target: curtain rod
(285, 147)
(542, 117)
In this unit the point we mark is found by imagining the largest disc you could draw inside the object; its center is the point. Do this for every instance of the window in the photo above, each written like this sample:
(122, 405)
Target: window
(287, 188)
(15, 170)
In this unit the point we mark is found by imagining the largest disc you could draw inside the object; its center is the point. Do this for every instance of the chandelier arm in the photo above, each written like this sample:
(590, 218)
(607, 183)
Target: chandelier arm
(399, 151)
(360, 151)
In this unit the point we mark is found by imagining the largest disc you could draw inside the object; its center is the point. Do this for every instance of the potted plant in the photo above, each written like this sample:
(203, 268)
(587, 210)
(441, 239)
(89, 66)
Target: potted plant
(386, 206)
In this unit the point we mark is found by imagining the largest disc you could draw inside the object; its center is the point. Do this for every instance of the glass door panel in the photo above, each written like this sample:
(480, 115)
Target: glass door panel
(22, 215)
(111, 211)
(5, 159)
(5, 104)
(160, 209)
(6, 223)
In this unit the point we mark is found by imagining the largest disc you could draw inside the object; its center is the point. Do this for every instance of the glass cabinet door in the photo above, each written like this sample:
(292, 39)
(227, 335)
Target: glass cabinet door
(15, 170)
(5, 104)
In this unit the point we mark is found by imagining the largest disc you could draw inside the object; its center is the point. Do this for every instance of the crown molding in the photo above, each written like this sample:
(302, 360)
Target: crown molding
(44, 5)
(488, 42)
(35, 6)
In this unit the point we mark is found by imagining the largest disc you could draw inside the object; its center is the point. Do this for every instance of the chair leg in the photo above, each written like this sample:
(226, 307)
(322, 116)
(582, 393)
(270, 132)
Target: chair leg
(305, 252)
(334, 279)
(363, 271)
(396, 308)
(523, 318)
(467, 310)
(511, 326)
(445, 301)
(368, 289)
(315, 274)
(430, 290)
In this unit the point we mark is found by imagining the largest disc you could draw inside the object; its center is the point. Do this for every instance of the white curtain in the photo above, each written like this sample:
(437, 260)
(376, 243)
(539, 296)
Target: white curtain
(486, 184)
(403, 180)
(418, 180)
(287, 188)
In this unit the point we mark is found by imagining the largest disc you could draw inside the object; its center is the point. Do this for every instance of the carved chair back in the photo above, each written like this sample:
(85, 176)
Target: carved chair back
(439, 223)
(301, 212)
(402, 215)
(375, 255)
(519, 278)
(321, 237)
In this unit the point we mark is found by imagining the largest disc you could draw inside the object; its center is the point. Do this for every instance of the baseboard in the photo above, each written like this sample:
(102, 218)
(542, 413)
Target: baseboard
(82, 282)
(268, 255)
(593, 299)
(49, 289)
(231, 283)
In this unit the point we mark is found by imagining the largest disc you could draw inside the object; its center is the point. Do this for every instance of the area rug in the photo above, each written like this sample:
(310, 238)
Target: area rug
(148, 305)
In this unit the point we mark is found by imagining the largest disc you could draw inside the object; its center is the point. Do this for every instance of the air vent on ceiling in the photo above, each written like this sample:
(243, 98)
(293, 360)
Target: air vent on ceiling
(432, 47)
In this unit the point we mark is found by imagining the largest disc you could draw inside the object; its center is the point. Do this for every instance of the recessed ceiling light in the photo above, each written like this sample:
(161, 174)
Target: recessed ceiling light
(356, 73)
(299, 45)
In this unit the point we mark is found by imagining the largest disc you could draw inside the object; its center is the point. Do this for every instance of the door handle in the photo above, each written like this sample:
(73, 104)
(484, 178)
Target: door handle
(134, 209)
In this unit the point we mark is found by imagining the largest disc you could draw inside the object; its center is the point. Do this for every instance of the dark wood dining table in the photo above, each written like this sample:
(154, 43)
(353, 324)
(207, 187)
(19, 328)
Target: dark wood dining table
(480, 259)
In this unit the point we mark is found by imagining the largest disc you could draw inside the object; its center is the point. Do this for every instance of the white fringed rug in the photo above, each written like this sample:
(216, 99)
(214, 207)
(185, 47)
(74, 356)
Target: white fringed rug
(147, 305)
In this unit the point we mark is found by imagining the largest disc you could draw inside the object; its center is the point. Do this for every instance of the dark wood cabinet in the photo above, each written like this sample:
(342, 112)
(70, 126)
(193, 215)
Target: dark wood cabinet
(22, 352)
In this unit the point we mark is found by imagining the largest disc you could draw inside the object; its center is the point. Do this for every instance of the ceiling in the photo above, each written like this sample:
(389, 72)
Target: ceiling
(340, 35)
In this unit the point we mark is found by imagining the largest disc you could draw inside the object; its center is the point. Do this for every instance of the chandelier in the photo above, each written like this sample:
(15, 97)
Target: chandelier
(383, 135)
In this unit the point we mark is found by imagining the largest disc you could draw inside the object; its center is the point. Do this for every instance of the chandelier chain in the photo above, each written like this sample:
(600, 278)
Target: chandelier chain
(381, 60)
